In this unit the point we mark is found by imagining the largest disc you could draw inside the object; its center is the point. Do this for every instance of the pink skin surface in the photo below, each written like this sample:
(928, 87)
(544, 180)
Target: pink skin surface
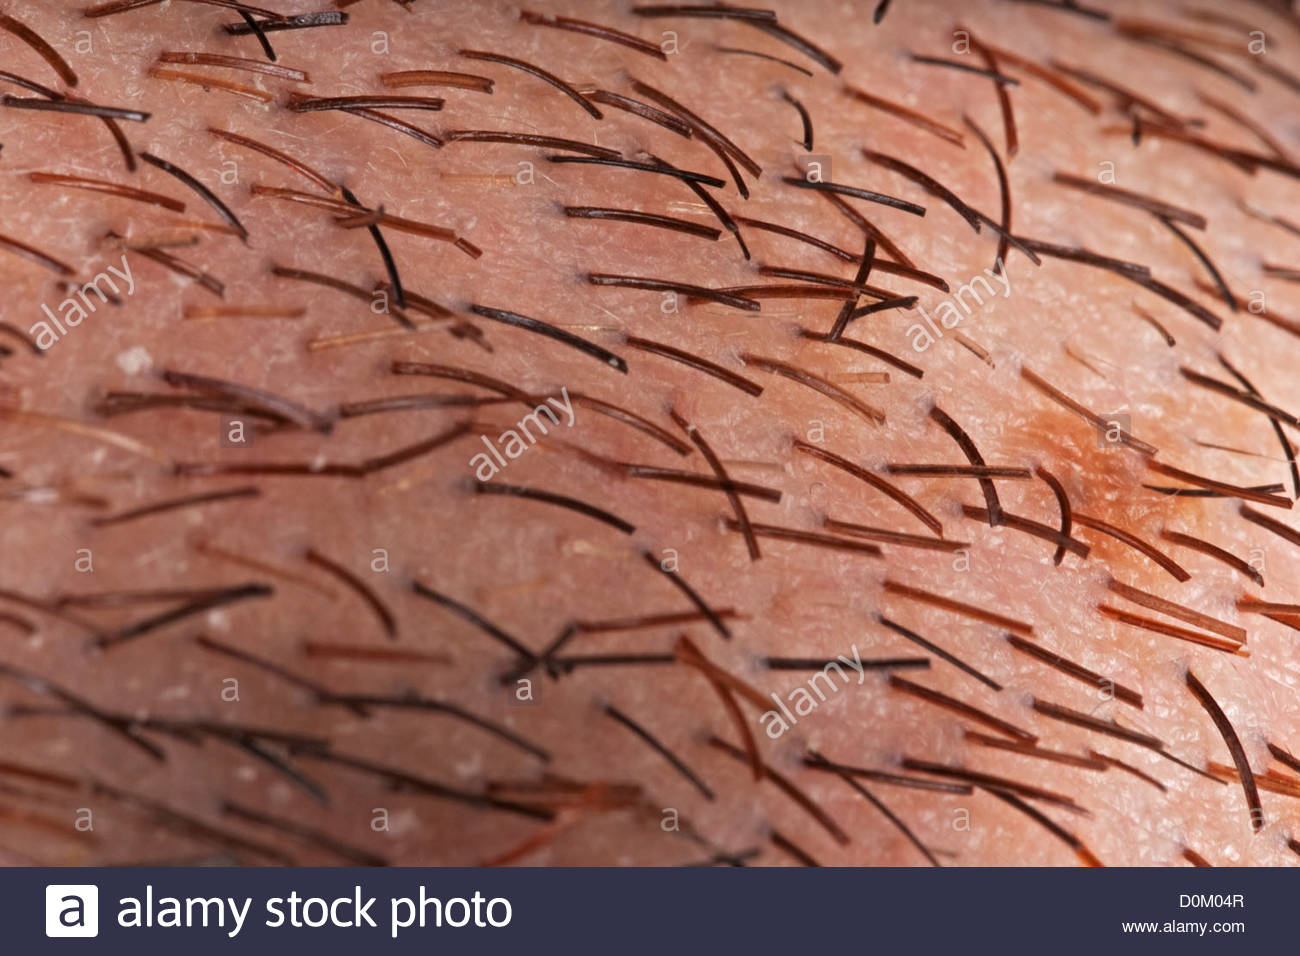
(531, 567)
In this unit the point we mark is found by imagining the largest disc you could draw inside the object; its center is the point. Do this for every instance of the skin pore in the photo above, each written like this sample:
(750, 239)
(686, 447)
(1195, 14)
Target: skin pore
(330, 687)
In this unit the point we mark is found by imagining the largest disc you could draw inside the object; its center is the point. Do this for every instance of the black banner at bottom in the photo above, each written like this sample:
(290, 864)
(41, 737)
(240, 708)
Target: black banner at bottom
(632, 911)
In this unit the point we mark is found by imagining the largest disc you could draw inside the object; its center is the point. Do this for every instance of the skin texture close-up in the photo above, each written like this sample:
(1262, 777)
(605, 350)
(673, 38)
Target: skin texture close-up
(450, 433)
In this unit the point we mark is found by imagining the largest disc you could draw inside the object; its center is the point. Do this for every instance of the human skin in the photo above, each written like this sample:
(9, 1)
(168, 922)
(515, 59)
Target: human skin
(531, 567)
